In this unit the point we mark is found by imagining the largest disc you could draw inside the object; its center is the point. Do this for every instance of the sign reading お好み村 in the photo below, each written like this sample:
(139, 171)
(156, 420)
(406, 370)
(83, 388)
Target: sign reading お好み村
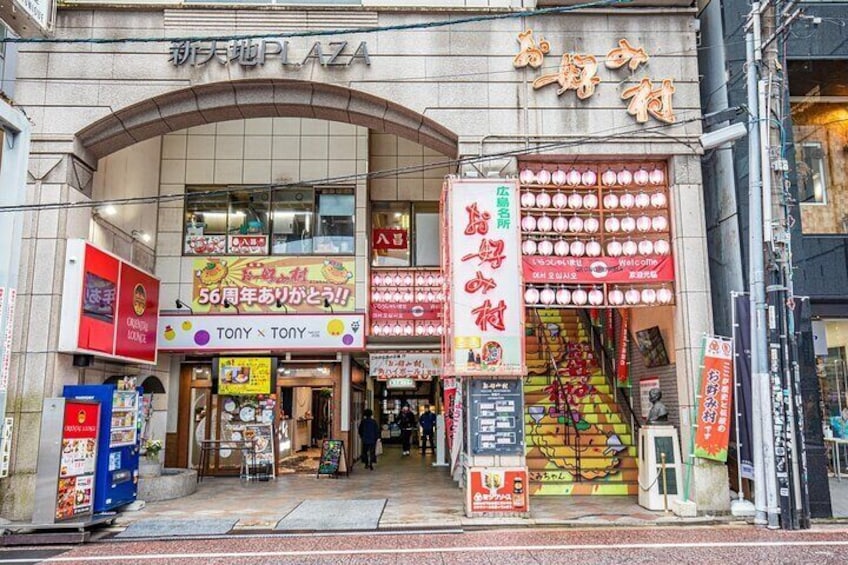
(712, 434)
(485, 308)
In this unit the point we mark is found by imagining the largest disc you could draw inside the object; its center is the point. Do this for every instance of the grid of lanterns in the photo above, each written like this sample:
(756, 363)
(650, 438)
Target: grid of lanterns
(401, 291)
(591, 211)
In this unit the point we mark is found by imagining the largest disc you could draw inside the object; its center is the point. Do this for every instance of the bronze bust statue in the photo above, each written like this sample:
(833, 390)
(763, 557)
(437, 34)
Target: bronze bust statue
(658, 413)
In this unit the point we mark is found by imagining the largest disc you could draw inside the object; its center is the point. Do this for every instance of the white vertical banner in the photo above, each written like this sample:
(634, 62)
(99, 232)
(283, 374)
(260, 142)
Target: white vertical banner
(9, 296)
(486, 304)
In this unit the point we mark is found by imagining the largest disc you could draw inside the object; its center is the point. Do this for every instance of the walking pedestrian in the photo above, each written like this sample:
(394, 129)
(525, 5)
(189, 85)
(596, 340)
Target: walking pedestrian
(406, 421)
(369, 431)
(428, 426)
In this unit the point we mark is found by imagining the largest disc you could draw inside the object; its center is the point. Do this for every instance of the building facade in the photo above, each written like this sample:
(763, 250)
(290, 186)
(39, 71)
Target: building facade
(298, 178)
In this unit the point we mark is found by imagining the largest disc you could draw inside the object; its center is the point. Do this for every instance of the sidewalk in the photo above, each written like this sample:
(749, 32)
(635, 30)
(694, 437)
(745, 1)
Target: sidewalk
(418, 496)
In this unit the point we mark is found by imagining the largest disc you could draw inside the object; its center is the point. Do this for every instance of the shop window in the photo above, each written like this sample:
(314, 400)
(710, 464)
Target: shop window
(206, 222)
(405, 234)
(812, 176)
(335, 231)
(293, 221)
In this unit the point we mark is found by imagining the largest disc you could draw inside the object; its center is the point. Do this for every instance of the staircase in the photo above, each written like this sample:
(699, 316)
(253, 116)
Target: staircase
(579, 441)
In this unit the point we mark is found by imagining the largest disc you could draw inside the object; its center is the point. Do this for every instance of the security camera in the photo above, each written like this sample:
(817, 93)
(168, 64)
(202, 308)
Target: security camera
(713, 139)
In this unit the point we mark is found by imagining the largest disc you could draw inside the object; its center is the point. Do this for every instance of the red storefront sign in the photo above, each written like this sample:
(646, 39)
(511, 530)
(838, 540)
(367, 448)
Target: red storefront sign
(712, 434)
(81, 420)
(75, 485)
(138, 314)
(497, 490)
(646, 269)
(383, 239)
(248, 244)
(391, 311)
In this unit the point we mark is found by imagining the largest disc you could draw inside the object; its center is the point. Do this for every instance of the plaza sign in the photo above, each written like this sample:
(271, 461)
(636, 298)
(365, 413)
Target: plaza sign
(253, 53)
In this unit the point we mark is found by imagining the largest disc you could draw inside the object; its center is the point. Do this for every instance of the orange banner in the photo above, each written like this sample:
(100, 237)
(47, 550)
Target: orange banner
(714, 402)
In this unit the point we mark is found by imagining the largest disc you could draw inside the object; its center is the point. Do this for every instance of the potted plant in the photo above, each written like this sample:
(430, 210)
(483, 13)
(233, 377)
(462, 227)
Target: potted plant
(149, 465)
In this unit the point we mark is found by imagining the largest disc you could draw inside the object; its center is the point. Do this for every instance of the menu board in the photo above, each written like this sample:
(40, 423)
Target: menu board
(332, 458)
(75, 487)
(262, 436)
(124, 423)
(497, 425)
(244, 375)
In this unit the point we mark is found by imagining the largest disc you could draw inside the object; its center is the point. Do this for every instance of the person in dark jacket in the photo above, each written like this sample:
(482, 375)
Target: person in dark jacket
(427, 421)
(406, 421)
(369, 431)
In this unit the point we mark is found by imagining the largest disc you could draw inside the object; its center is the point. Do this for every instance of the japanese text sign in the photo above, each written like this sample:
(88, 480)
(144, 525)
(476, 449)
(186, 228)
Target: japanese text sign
(244, 375)
(417, 366)
(383, 239)
(497, 490)
(301, 284)
(714, 403)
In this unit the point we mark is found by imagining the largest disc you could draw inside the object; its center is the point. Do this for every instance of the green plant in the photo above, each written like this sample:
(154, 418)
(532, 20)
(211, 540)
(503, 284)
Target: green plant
(152, 447)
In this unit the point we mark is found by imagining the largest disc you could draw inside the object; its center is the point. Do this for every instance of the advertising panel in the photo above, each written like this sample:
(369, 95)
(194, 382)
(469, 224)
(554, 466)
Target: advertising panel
(384, 239)
(75, 487)
(589, 270)
(244, 375)
(417, 366)
(494, 490)
(328, 332)
(257, 284)
(486, 305)
(716, 393)
(497, 417)
(110, 308)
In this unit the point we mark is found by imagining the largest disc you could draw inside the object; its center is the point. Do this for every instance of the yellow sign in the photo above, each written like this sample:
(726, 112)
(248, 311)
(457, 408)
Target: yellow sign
(244, 375)
(467, 342)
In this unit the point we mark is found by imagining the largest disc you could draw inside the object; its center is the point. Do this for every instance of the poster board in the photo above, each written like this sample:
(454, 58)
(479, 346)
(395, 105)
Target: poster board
(497, 416)
(652, 347)
(332, 462)
(494, 490)
(244, 376)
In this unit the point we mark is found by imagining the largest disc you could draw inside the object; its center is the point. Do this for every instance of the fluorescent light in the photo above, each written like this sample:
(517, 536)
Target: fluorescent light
(107, 210)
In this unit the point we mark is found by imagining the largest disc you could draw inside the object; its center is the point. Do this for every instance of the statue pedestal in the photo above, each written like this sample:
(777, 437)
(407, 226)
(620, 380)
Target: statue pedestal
(653, 442)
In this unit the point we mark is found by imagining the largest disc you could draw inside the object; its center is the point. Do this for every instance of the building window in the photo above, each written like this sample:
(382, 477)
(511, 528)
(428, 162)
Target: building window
(284, 221)
(405, 234)
(812, 174)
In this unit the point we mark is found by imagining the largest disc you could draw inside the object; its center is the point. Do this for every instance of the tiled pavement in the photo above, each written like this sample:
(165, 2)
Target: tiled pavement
(418, 496)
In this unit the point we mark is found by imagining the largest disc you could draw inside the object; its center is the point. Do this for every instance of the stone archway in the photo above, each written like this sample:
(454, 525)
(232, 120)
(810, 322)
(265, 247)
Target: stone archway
(216, 102)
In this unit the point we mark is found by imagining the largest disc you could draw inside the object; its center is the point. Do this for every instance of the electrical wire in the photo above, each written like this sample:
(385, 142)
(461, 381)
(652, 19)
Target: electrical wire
(322, 33)
(605, 135)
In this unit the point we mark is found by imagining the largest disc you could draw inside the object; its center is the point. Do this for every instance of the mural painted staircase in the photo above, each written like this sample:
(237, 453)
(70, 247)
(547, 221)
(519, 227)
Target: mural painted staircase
(579, 441)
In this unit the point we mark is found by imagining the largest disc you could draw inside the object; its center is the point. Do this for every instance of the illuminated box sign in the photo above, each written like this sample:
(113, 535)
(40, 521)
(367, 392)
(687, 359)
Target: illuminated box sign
(417, 366)
(244, 375)
(110, 308)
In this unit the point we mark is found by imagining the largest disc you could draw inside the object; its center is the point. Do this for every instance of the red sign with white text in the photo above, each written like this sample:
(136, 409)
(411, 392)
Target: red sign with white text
(138, 314)
(383, 239)
(75, 486)
(497, 490)
(644, 269)
(99, 297)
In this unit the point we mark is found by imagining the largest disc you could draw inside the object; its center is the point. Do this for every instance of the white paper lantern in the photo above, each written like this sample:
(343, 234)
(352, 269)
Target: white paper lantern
(596, 297)
(643, 223)
(657, 176)
(398, 280)
(531, 296)
(577, 248)
(407, 280)
(659, 223)
(559, 199)
(609, 178)
(528, 247)
(543, 200)
(575, 201)
(661, 247)
(419, 296)
(397, 330)
(376, 297)
(547, 296)
(625, 177)
(563, 296)
(430, 330)
(543, 177)
(590, 201)
(561, 248)
(641, 177)
(407, 296)
(377, 329)
(629, 248)
(593, 248)
(612, 224)
(664, 296)
(579, 297)
(528, 223)
(658, 200)
(591, 224)
(632, 296)
(397, 297)
(575, 224)
(649, 296)
(627, 200)
(377, 280)
(616, 297)
(430, 280)
(526, 176)
(574, 177)
(545, 247)
(642, 200)
(545, 223)
(560, 224)
(528, 199)
(440, 330)
(589, 178)
(440, 297)
(430, 297)
(628, 224)
(558, 177)
(614, 248)
(646, 247)
(407, 330)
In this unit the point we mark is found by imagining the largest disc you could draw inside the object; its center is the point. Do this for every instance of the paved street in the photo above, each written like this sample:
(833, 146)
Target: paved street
(701, 545)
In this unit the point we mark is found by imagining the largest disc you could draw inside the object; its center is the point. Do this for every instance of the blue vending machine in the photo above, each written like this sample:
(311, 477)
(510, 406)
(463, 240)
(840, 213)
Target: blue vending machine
(116, 482)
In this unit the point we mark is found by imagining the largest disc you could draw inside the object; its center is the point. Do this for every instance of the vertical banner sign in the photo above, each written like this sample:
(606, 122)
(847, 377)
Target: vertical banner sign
(486, 302)
(7, 339)
(458, 431)
(743, 392)
(449, 385)
(621, 350)
(716, 389)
